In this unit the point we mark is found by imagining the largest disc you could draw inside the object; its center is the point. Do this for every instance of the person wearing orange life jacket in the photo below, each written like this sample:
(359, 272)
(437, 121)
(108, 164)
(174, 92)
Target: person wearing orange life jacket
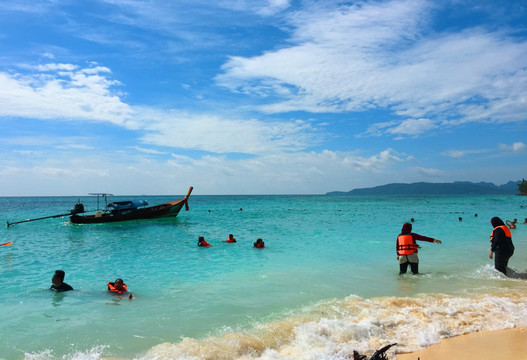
(202, 242)
(407, 248)
(259, 244)
(231, 239)
(511, 224)
(118, 287)
(501, 246)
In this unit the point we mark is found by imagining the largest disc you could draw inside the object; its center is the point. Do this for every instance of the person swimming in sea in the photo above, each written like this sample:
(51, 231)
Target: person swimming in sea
(202, 242)
(231, 239)
(511, 224)
(259, 244)
(58, 283)
(118, 287)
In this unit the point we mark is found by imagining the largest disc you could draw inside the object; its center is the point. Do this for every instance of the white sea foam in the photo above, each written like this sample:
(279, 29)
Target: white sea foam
(94, 353)
(334, 329)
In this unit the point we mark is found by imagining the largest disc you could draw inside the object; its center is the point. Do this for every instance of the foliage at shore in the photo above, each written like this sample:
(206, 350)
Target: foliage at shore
(522, 188)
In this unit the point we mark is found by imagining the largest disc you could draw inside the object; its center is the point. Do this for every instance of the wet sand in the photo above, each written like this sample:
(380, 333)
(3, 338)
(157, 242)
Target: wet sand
(510, 344)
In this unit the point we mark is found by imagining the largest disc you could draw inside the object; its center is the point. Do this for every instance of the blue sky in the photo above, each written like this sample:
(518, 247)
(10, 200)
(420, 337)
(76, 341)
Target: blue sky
(259, 97)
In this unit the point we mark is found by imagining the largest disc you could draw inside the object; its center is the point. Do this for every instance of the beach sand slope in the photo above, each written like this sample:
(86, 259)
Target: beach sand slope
(510, 344)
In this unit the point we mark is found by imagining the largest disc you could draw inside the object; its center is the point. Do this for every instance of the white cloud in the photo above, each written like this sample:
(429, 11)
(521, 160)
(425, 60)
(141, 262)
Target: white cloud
(312, 172)
(515, 147)
(271, 7)
(462, 153)
(408, 127)
(364, 56)
(217, 134)
(148, 151)
(69, 93)
(57, 142)
(62, 91)
(458, 153)
(337, 63)
(518, 147)
(55, 67)
(455, 153)
(413, 127)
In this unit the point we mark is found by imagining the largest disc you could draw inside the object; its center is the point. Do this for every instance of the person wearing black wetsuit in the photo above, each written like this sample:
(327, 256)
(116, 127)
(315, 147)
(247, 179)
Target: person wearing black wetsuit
(58, 282)
(501, 246)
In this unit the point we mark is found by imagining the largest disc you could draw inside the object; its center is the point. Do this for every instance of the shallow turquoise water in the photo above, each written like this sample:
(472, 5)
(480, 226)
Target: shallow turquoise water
(324, 256)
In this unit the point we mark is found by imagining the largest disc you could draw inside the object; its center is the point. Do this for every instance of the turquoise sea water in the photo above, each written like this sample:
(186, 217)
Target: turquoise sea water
(326, 284)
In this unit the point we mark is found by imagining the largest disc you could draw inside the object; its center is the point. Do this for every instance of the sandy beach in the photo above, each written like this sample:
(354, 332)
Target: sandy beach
(510, 344)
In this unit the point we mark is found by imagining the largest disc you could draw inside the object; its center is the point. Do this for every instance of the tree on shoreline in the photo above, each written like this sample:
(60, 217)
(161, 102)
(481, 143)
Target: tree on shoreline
(522, 188)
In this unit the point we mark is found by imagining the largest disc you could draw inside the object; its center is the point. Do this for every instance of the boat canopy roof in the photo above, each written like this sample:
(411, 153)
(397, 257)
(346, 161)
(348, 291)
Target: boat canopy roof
(131, 204)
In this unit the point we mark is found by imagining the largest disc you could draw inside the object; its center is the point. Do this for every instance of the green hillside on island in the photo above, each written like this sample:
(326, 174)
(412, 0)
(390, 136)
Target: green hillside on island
(425, 188)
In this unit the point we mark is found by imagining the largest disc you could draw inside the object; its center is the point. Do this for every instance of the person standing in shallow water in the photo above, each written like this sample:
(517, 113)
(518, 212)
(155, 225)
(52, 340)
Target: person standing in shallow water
(501, 246)
(407, 248)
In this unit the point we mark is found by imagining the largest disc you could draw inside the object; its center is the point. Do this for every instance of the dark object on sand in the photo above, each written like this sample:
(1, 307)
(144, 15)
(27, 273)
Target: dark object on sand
(378, 355)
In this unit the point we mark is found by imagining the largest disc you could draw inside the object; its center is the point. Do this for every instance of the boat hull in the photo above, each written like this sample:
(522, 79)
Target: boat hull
(170, 209)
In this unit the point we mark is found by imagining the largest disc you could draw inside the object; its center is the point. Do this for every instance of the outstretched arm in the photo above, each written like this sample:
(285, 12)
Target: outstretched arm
(425, 238)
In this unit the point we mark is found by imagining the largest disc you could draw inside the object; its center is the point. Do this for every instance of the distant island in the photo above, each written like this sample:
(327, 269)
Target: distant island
(425, 188)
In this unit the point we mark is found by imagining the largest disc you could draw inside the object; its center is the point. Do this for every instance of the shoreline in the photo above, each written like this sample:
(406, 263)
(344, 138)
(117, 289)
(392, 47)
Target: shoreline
(507, 344)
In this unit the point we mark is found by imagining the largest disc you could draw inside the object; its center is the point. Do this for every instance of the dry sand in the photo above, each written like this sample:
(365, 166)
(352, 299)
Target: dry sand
(508, 344)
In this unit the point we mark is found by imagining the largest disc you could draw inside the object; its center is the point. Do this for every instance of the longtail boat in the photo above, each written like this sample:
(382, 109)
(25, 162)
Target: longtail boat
(130, 210)
(120, 211)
